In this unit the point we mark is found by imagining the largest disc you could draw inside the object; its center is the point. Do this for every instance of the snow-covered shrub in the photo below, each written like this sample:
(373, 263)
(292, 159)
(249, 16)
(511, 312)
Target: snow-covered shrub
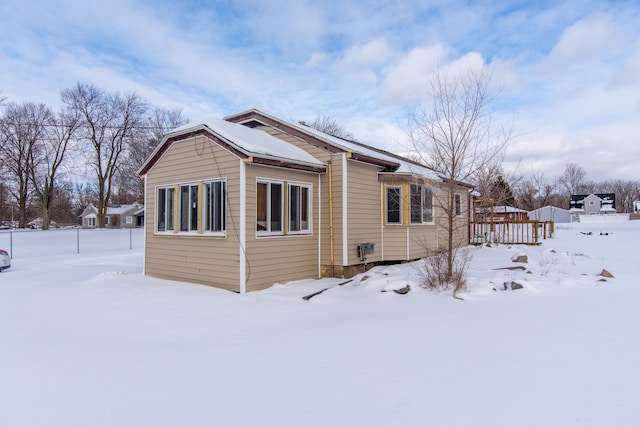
(433, 274)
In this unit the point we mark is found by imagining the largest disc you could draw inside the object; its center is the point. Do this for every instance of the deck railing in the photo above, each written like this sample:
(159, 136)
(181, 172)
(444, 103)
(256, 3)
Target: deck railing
(511, 232)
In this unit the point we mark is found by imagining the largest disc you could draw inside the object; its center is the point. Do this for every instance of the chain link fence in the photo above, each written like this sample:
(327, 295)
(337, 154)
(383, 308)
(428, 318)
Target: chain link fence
(37, 243)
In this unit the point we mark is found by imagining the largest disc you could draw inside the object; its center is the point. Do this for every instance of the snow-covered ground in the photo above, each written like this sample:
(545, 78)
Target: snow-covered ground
(87, 340)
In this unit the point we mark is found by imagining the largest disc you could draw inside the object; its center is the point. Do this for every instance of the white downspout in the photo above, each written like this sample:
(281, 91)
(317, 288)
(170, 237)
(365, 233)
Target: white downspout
(319, 226)
(144, 230)
(243, 229)
(345, 243)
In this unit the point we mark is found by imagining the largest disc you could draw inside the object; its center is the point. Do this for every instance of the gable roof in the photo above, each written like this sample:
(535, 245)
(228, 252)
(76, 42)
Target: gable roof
(111, 210)
(249, 144)
(577, 200)
(391, 163)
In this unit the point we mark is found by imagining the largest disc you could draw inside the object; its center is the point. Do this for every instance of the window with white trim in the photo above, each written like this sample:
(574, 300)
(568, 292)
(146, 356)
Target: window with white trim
(166, 200)
(394, 205)
(129, 219)
(188, 208)
(421, 204)
(214, 195)
(269, 207)
(299, 208)
(427, 205)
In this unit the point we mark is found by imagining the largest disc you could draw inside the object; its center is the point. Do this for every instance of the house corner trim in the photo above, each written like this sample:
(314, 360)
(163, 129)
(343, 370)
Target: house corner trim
(242, 238)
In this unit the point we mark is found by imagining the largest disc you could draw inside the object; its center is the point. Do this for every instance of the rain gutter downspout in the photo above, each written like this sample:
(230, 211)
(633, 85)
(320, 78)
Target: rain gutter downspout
(331, 240)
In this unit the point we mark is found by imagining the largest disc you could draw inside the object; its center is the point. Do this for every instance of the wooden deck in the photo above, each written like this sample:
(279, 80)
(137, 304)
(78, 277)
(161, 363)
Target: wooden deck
(511, 232)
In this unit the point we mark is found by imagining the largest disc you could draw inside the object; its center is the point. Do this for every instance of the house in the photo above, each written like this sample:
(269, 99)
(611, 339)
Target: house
(550, 213)
(593, 204)
(500, 213)
(122, 216)
(253, 200)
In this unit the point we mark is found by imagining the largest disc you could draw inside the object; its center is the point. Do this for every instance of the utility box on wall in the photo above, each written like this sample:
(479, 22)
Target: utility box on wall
(365, 249)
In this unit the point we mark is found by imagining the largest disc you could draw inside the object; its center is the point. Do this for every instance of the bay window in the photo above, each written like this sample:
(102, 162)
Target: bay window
(394, 205)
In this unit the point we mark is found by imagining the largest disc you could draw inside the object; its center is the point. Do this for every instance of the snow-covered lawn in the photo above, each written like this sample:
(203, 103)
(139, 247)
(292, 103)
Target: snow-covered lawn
(87, 340)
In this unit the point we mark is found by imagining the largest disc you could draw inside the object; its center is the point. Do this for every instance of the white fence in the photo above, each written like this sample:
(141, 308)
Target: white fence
(38, 243)
(604, 218)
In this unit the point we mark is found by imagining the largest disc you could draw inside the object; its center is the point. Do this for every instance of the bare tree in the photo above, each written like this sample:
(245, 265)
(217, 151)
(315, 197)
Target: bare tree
(330, 126)
(159, 122)
(573, 179)
(535, 192)
(23, 128)
(109, 121)
(49, 159)
(626, 193)
(453, 134)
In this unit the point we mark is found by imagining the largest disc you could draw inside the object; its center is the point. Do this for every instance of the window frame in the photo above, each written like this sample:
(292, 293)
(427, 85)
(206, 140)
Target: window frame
(301, 202)
(191, 210)
(386, 205)
(457, 202)
(221, 208)
(424, 192)
(168, 211)
(268, 231)
(416, 211)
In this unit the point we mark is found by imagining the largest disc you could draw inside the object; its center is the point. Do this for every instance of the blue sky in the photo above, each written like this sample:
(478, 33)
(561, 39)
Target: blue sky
(568, 73)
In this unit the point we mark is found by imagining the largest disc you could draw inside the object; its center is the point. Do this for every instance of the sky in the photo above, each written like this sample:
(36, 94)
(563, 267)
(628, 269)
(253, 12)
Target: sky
(566, 75)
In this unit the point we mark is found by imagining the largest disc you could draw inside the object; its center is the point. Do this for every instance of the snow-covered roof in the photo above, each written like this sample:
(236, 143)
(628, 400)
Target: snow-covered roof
(505, 209)
(551, 208)
(250, 142)
(402, 165)
(122, 209)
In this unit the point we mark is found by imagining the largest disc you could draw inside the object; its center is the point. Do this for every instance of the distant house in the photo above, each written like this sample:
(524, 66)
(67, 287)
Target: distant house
(550, 213)
(253, 200)
(123, 216)
(500, 213)
(593, 204)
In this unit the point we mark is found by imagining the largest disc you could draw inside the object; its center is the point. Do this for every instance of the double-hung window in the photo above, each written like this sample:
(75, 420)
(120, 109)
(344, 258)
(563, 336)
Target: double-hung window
(165, 208)
(269, 207)
(421, 204)
(457, 205)
(214, 203)
(416, 203)
(188, 208)
(394, 205)
(427, 205)
(299, 209)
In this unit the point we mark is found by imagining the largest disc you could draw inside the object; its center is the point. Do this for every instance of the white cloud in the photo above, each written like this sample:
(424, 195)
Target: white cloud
(408, 79)
(316, 59)
(582, 41)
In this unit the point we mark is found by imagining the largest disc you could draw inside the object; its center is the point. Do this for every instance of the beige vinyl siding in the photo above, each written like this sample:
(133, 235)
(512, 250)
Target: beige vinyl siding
(196, 258)
(279, 259)
(325, 157)
(365, 207)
